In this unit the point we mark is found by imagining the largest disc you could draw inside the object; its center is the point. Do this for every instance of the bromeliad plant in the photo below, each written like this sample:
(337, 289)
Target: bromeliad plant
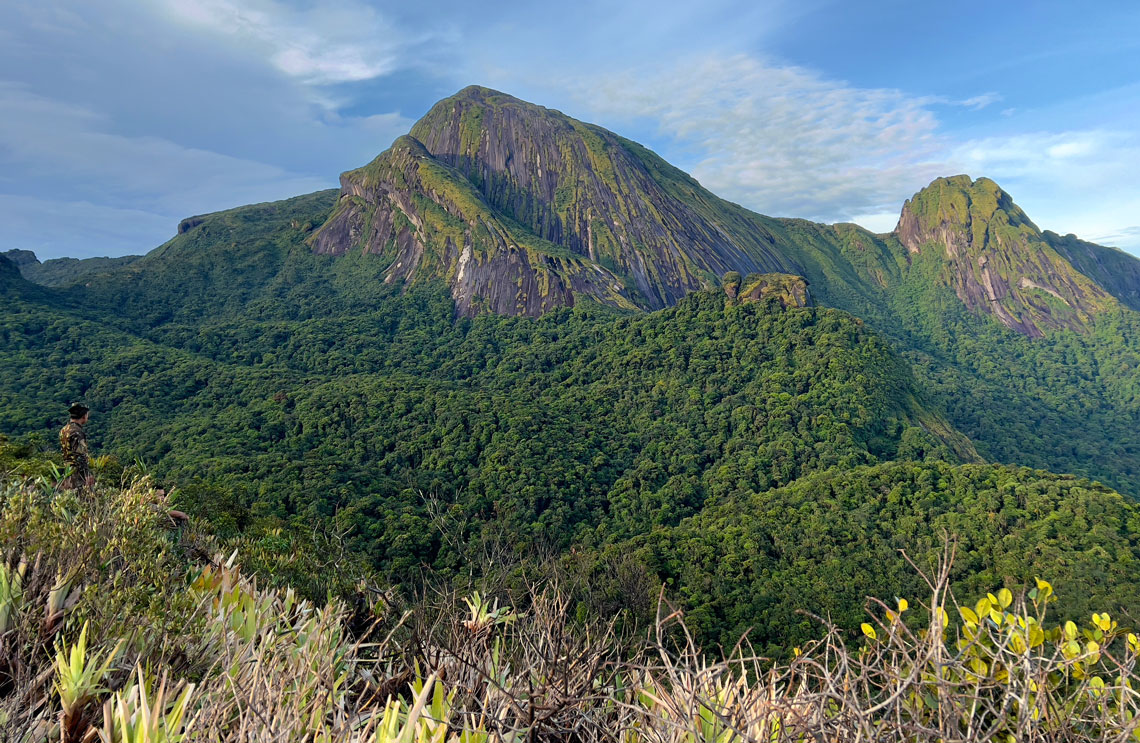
(79, 682)
(142, 714)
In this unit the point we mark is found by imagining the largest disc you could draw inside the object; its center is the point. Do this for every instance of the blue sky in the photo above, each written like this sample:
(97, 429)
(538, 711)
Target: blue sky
(119, 118)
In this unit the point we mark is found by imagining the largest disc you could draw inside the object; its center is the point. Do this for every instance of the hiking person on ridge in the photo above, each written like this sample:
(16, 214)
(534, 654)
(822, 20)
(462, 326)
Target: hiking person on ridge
(73, 444)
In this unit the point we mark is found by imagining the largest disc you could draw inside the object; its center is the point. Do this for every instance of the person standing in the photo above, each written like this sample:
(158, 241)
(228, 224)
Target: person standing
(73, 443)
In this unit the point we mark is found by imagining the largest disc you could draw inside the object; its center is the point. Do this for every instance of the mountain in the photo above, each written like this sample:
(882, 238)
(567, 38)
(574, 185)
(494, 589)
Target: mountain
(517, 330)
(426, 221)
(524, 208)
(996, 260)
(64, 271)
(1113, 269)
(1040, 375)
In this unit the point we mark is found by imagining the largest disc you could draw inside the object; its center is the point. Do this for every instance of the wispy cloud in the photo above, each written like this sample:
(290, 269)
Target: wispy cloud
(70, 143)
(1070, 181)
(56, 228)
(1095, 158)
(783, 139)
(979, 102)
(87, 178)
(322, 43)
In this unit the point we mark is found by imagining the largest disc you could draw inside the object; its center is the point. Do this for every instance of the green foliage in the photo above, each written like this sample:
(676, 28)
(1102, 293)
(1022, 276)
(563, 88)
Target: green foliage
(550, 429)
(59, 272)
(1066, 402)
(830, 539)
(220, 658)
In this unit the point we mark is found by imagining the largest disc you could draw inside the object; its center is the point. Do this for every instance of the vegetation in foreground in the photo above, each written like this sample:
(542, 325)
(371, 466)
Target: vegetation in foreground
(116, 627)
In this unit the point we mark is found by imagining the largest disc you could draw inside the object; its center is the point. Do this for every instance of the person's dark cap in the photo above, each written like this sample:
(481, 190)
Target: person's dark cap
(78, 410)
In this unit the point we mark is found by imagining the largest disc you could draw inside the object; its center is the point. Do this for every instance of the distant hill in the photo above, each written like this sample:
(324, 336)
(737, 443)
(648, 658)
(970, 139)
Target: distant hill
(60, 272)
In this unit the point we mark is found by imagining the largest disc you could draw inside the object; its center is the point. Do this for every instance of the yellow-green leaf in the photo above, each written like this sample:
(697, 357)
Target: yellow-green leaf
(1005, 598)
(868, 630)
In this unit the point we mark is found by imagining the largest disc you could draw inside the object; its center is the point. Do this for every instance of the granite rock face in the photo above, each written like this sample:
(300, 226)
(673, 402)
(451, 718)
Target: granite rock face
(521, 209)
(996, 260)
(427, 221)
(190, 223)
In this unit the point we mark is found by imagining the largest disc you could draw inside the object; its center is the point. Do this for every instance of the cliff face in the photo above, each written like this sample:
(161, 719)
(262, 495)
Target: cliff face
(520, 209)
(1114, 270)
(996, 260)
(427, 221)
(590, 191)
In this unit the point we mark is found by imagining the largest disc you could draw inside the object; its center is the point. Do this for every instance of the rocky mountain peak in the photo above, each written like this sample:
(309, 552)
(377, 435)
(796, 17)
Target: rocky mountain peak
(21, 258)
(995, 258)
(610, 219)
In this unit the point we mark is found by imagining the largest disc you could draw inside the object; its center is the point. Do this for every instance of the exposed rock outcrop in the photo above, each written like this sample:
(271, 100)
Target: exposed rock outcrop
(996, 260)
(427, 221)
(539, 208)
(21, 258)
(190, 223)
(592, 192)
(786, 289)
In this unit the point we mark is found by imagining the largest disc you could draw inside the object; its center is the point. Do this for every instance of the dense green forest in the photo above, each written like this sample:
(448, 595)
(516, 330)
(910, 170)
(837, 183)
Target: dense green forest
(122, 623)
(753, 457)
(581, 420)
(1068, 402)
(718, 446)
(825, 542)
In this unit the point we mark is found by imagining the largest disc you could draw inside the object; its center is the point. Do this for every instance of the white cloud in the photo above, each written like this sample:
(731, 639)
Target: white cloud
(1075, 181)
(979, 102)
(69, 150)
(322, 43)
(79, 229)
(881, 222)
(786, 141)
(783, 140)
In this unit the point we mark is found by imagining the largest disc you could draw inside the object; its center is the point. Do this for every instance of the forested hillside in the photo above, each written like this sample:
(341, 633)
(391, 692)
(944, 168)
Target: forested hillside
(822, 544)
(747, 439)
(584, 419)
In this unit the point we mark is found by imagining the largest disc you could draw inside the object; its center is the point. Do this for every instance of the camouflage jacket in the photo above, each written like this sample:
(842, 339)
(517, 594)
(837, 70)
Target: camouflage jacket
(73, 442)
